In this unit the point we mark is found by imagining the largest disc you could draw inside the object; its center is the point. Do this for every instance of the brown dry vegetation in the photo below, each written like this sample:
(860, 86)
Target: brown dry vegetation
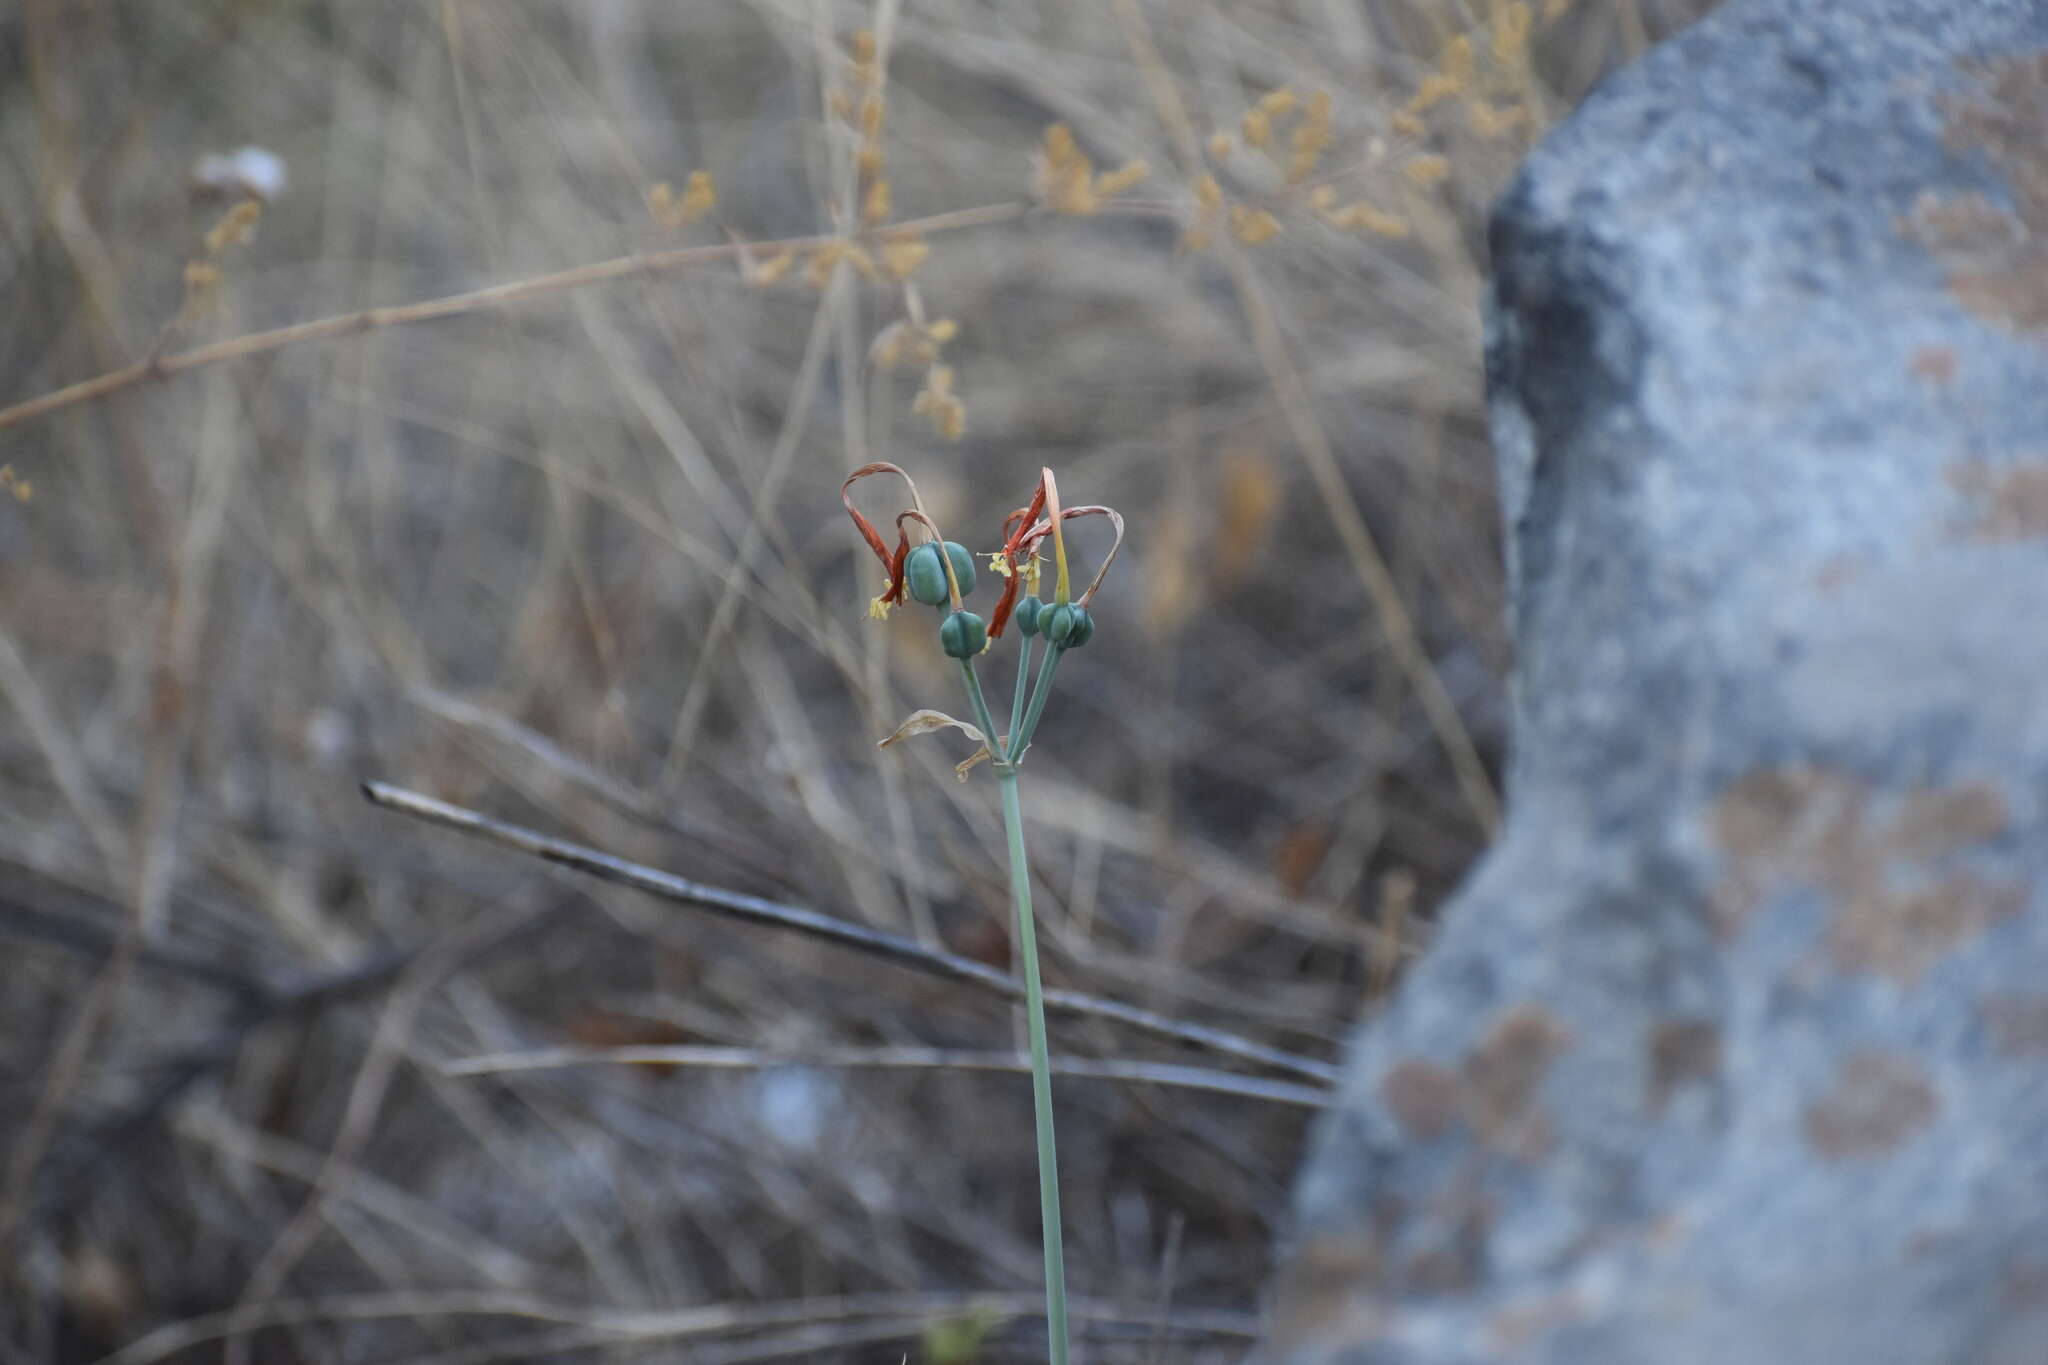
(571, 553)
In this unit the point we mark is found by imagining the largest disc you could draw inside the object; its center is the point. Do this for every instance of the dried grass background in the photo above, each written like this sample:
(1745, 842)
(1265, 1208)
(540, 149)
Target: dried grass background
(578, 561)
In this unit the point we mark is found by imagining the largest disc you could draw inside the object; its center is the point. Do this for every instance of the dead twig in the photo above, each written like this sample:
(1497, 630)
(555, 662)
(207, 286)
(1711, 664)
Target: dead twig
(469, 301)
(894, 1058)
(876, 942)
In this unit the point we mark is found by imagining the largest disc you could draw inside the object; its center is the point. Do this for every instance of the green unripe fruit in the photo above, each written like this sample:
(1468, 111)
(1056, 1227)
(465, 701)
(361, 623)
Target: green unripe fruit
(962, 635)
(924, 573)
(963, 565)
(1057, 622)
(1029, 610)
(1083, 629)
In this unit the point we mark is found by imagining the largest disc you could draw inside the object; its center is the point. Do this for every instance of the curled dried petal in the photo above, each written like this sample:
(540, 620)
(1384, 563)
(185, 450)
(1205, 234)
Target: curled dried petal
(1032, 538)
(892, 562)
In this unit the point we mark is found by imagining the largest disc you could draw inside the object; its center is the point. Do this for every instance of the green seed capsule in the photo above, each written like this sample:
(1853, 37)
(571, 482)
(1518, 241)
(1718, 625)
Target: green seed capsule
(924, 573)
(924, 576)
(1029, 609)
(1083, 629)
(963, 565)
(962, 635)
(1057, 622)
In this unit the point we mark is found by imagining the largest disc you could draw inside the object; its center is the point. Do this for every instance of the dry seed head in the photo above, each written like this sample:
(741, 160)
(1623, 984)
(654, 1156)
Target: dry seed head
(937, 402)
(1434, 90)
(1207, 192)
(1221, 146)
(1427, 170)
(22, 489)
(1278, 103)
(1257, 128)
(875, 206)
(1253, 227)
(864, 45)
(1407, 124)
(871, 111)
(234, 226)
(700, 196)
(1311, 138)
(1194, 239)
(1511, 34)
(862, 263)
(1491, 121)
(1363, 217)
(1322, 198)
(771, 270)
(823, 261)
(903, 255)
(1066, 177)
(1121, 179)
(887, 350)
(1457, 61)
(942, 331)
(201, 276)
(868, 161)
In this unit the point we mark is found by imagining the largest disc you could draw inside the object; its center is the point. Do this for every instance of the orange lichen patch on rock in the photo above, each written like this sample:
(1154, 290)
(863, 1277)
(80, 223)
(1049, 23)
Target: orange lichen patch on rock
(1492, 1091)
(1893, 907)
(1460, 1222)
(1878, 1100)
(2018, 1024)
(1425, 1097)
(1934, 364)
(1996, 259)
(1503, 1075)
(2007, 501)
(1322, 1294)
(1682, 1052)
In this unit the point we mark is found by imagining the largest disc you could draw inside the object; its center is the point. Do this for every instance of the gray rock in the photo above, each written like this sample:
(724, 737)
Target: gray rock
(1735, 1048)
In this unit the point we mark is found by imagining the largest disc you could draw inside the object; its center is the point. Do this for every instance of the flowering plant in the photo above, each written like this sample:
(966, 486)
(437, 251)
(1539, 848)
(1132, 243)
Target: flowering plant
(940, 573)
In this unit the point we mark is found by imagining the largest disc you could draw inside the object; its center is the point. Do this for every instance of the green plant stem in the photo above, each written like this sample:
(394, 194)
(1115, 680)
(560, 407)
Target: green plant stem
(1041, 1070)
(1021, 741)
(981, 716)
(1017, 697)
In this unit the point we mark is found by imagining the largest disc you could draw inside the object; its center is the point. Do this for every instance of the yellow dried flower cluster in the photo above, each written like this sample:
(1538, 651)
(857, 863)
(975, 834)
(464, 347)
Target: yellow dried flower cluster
(867, 110)
(1310, 139)
(1493, 96)
(203, 274)
(903, 254)
(1258, 120)
(1208, 203)
(827, 258)
(771, 271)
(1363, 217)
(1066, 180)
(1427, 170)
(673, 211)
(1253, 226)
(937, 401)
(234, 227)
(21, 488)
(908, 340)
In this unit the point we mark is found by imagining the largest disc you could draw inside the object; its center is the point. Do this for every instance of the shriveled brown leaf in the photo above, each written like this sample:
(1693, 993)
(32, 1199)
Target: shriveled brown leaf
(923, 722)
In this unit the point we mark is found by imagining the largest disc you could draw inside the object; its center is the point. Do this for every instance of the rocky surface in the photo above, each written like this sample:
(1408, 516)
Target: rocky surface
(1736, 1046)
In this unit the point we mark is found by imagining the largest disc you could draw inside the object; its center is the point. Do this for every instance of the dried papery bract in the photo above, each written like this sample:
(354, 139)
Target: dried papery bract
(892, 561)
